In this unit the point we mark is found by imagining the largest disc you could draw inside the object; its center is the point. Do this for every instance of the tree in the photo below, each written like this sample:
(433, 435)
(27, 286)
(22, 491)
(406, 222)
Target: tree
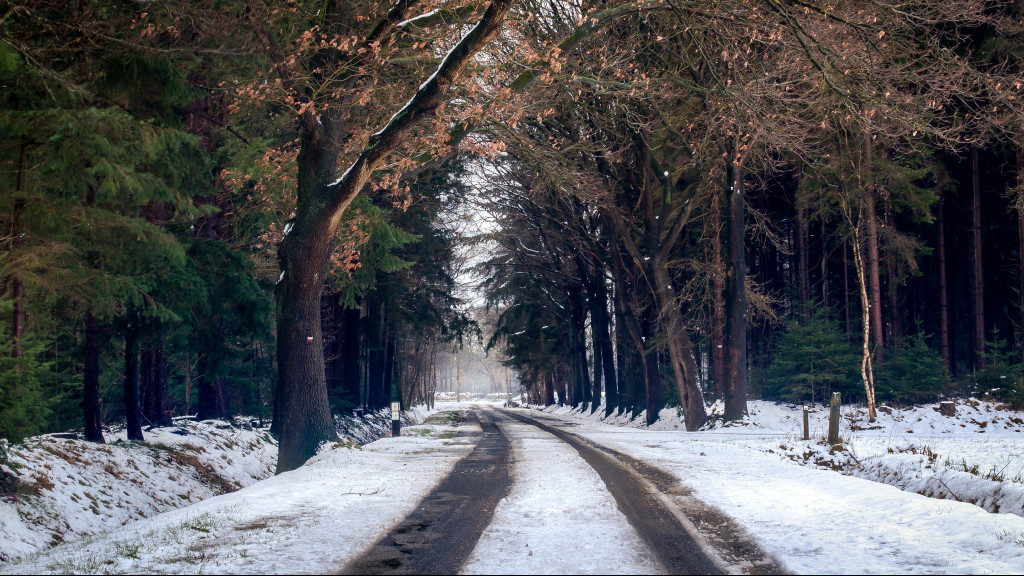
(322, 198)
(913, 373)
(813, 359)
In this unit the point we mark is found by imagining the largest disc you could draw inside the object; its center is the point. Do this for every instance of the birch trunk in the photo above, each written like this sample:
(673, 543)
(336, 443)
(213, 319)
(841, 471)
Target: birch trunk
(866, 371)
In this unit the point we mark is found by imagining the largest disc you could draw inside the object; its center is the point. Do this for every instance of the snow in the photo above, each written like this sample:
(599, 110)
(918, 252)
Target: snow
(415, 19)
(816, 520)
(83, 488)
(308, 520)
(557, 503)
(345, 173)
(430, 79)
(79, 489)
(811, 508)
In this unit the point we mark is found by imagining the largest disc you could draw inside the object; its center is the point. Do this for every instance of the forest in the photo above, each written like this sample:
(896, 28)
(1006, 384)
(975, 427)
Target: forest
(266, 208)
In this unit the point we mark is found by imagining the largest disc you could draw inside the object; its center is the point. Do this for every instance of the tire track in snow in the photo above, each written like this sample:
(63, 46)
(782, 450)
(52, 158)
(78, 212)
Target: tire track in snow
(559, 517)
(440, 534)
(640, 491)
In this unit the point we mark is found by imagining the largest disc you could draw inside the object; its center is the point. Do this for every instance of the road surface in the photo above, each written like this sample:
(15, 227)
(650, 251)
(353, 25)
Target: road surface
(440, 536)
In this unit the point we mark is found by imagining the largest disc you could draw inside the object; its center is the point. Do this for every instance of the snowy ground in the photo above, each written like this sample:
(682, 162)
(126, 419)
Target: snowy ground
(557, 519)
(71, 488)
(309, 520)
(816, 520)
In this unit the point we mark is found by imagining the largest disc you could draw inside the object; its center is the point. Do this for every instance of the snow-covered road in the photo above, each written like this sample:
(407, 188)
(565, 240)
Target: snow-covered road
(557, 517)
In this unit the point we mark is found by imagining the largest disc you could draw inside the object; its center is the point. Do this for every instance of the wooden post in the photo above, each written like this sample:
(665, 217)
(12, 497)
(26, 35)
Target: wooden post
(396, 419)
(833, 420)
(807, 428)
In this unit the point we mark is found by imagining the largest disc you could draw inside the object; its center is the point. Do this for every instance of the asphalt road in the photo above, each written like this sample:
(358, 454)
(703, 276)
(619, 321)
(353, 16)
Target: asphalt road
(440, 535)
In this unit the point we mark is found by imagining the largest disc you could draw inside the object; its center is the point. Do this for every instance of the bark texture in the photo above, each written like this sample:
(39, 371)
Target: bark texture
(717, 297)
(871, 233)
(943, 289)
(736, 321)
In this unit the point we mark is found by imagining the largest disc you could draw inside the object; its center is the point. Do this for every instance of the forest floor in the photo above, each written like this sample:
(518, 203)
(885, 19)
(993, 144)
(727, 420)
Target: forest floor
(873, 507)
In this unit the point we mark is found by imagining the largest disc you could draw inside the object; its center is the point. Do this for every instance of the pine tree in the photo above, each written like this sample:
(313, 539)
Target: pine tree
(812, 360)
(24, 406)
(913, 373)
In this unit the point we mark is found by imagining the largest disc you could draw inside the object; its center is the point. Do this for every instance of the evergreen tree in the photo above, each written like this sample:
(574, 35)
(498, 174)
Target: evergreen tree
(24, 406)
(913, 373)
(1002, 376)
(812, 360)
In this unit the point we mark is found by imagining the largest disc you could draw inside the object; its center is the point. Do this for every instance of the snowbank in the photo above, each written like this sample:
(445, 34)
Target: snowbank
(310, 520)
(69, 488)
(818, 521)
(976, 456)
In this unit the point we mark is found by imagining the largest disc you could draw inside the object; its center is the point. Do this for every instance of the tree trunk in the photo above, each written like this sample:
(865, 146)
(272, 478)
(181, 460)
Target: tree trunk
(1020, 235)
(188, 385)
(717, 297)
(563, 389)
(871, 231)
(824, 266)
(680, 349)
(160, 413)
(895, 315)
(331, 328)
(846, 290)
(736, 321)
(977, 279)
(581, 393)
(350, 354)
(305, 412)
(323, 198)
(147, 381)
(630, 340)
(391, 385)
(866, 371)
(654, 397)
(603, 342)
(628, 375)
(596, 340)
(91, 381)
(943, 290)
(131, 386)
(374, 331)
(213, 402)
(801, 252)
